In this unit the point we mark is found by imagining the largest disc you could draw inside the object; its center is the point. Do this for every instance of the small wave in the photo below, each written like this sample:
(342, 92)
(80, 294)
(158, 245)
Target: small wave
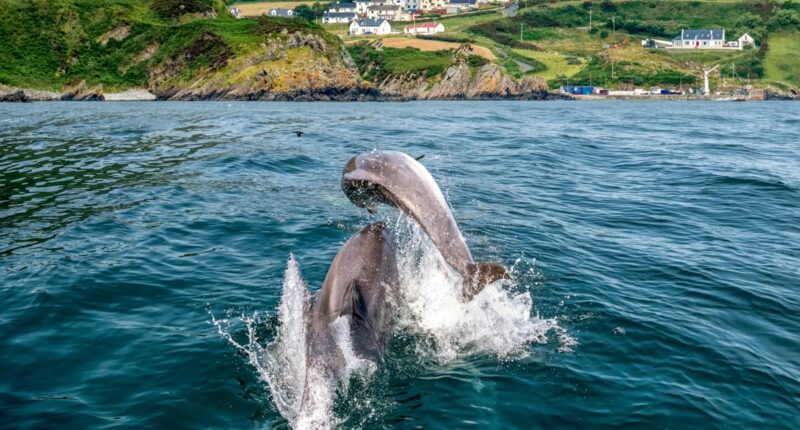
(773, 184)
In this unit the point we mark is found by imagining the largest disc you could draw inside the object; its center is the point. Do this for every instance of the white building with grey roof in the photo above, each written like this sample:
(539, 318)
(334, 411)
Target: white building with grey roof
(370, 26)
(700, 39)
(338, 17)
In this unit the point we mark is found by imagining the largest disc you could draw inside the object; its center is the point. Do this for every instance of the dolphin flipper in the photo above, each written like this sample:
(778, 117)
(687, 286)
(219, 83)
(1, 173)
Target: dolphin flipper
(479, 275)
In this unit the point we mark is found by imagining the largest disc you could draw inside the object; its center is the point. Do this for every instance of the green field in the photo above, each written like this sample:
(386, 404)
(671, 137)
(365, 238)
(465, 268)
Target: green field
(49, 44)
(782, 62)
(610, 52)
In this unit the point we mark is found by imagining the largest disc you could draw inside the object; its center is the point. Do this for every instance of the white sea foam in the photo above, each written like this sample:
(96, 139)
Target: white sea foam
(499, 321)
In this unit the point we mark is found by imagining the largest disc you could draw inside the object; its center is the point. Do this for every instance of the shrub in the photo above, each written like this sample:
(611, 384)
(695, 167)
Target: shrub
(608, 6)
(784, 19)
(476, 61)
(171, 9)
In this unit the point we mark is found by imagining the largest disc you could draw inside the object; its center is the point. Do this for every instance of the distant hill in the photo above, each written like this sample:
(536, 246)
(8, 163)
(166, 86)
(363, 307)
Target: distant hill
(185, 48)
(194, 49)
(552, 32)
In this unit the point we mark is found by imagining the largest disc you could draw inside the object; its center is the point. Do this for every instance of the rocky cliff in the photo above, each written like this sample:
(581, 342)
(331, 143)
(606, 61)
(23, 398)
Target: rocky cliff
(460, 80)
(286, 66)
(163, 50)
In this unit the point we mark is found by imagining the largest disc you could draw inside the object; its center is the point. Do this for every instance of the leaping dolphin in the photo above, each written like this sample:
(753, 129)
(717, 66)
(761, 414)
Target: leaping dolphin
(399, 180)
(361, 283)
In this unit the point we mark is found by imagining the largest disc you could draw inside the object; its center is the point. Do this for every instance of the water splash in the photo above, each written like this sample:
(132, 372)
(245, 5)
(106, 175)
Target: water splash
(282, 363)
(499, 321)
(303, 394)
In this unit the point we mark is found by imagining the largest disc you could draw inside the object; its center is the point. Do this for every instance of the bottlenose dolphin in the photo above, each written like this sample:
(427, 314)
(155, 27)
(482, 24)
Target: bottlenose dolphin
(361, 284)
(399, 180)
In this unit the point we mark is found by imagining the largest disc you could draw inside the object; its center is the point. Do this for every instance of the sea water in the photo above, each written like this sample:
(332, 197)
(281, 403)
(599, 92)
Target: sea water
(157, 261)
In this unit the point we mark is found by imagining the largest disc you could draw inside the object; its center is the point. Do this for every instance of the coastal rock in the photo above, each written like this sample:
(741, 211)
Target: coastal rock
(459, 81)
(775, 94)
(13, 96)
(293, 66)
(81, 92)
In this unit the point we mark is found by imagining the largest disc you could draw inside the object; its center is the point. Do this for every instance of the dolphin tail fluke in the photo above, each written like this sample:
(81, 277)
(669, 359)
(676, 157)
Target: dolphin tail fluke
(479, 275)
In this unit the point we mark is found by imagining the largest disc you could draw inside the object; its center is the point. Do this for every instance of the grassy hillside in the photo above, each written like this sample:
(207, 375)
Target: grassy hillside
(556, 33)
(376, 65)
(51, 43)
(782, 62)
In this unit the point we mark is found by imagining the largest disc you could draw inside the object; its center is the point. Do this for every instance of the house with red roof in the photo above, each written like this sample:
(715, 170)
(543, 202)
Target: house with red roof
(425, 28)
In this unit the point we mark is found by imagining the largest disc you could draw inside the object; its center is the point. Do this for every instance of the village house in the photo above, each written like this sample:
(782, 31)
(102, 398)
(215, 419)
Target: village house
(426, 28)
(699, 39)
(742, 42)
(408, 5)
(390, 12)
(338, 17)
(362, 5)
(458, 6)
(370, 26)
(430, 5)
(286, 13)
(343, 7)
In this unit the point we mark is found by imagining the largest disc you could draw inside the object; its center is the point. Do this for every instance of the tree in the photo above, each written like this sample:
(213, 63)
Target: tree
(304, 12)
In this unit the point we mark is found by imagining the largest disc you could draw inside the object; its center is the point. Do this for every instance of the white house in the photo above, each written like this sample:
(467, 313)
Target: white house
(362, 5)
(700, 39)
(426, 28)
(390, 12)
(746, 40)
(370, 26)
(343, 7)
(432, 4)
(460, 5)
(286, 13)
(338, 17)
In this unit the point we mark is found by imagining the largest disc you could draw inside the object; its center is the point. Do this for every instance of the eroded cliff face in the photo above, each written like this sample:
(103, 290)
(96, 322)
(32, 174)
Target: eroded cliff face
(460, 81)
(288, 66)
(294, 65)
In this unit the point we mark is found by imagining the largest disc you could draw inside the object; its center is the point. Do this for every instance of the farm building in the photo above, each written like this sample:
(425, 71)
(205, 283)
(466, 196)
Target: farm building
(577, 89)
(426, 28)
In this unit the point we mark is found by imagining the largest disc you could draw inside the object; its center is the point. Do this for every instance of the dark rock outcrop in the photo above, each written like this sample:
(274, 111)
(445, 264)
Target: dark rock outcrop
(14, 96)
(81, 92)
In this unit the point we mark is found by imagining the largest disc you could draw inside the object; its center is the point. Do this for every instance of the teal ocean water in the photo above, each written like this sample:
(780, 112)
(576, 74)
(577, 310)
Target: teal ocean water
(145, 250)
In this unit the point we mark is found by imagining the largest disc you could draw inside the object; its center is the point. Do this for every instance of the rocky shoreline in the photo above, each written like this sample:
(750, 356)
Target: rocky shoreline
(392, 92)
(362, 94)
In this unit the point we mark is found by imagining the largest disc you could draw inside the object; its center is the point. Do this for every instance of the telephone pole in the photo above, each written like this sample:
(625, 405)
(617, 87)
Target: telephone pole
(520, 32)
(590, 19)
